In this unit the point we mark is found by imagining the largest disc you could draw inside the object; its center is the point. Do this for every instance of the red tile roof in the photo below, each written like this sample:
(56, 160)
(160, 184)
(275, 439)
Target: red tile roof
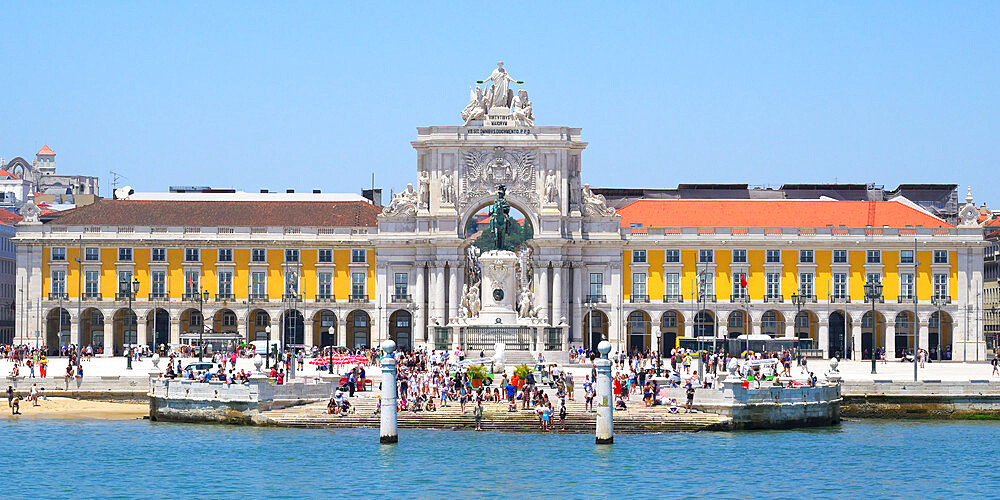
(221, 213)
(773, 213)
(45, 151)
(9, 218)
(8, 175)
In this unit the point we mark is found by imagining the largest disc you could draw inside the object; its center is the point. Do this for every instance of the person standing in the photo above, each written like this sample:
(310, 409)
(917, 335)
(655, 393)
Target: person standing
(996, 366)
(478, 413)
(43, 366)
(689, 390)
(562, 414)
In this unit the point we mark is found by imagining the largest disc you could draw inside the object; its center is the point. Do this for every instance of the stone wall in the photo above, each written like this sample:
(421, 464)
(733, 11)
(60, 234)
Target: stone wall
(89, 387)
(768, 407)
(923, 399)
(190, 401)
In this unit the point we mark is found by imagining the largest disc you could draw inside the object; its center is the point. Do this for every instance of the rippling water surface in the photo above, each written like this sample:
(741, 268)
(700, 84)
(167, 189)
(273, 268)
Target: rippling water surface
(82, 459)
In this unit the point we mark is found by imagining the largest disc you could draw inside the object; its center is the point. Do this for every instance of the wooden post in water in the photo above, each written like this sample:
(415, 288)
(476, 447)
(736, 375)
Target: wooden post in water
(387, 427)
(605, 401)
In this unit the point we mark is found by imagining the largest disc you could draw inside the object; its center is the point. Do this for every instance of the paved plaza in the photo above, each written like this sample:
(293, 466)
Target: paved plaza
(850, 370)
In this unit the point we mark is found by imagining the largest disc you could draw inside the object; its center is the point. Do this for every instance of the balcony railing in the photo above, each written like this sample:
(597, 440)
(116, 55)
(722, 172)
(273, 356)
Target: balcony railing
(596, 299)
(258, 297)
(635, 299)
(58, 296)
(739, 299)
(325, 297)
(224, 297)
(401, 298)
(706, 297)
(192, 297)
(157, 295)
(806, 298)
(673, 297)
(905, 298)
(774, 298)
(840, 298)
(92, 296)
(941, 299)
(878, 300)
(124, 296)
(358, 298)
(291, 296)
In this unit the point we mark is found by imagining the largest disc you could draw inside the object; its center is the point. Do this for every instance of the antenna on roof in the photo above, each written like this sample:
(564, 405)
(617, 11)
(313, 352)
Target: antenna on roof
(115, 176)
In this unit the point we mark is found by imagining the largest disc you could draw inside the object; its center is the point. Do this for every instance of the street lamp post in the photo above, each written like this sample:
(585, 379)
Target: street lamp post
(938, 302)
(267, 347)
(202, 297)
(130, 290)
(873, 291)
(332, 332)
(798, 300)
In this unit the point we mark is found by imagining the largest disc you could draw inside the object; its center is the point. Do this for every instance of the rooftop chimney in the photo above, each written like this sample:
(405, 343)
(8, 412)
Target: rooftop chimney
(263, 190)
(289, 190)
(317, 191)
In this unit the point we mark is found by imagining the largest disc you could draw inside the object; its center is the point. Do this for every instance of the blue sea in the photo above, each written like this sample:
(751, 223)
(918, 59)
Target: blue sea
(142, 459)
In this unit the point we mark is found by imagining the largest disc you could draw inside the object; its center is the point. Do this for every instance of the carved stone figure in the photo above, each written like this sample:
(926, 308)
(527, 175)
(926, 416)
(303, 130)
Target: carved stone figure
(499, 94)
(522, 109)
(403, 204)
(423, 189)
(476, 108)
(473, 271)
(471, 301)
(551, 188)
(524, 267)
(447, 189)
(526, 304)
(595, 204)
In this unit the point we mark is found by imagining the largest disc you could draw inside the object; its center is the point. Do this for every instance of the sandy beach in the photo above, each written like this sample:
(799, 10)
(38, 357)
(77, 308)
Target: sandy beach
(77, 408)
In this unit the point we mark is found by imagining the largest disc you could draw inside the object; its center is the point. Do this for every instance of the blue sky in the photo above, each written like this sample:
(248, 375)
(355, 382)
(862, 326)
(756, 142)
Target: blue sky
(321, 95)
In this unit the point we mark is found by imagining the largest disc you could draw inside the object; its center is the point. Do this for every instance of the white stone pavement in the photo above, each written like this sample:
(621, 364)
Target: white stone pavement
(850, 370)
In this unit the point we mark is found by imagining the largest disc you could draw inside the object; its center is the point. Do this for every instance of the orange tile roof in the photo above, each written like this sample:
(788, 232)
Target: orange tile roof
(45, 151)
(9, 218)
(8, 175)
(773, 213)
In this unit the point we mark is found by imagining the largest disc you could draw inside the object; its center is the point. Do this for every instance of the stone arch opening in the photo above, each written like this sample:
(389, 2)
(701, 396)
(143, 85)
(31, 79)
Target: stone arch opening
(261, 321)
(807, 329)
(57, 329)
(92, 329)
(671, 327)
(225, 321)
(158, 329)
(325, 328)
(359, 330)
(940, 336)
(737, 324)
(471, 216)
(839, 338)
(401, 330)
(872, 334)
(293, 327)
(772, 323)
(704, 323)
(638, 331)
(903, 338)
(125, 331)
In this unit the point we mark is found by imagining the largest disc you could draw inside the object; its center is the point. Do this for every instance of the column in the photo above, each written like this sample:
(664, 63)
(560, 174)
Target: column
(439, 301)
(789, 325)
(140, 332)
(175, 331)
(74, 332)
(576, 321)
(431, 294)
(341, 332)
(419, 312)
(557, 294)
(453, 291)
(277, 332)
(307, 330)
(605, 430)
(542, 288)
(855, 334)
(890, 339)
(387, 424)
(823, 338)
(923, 335)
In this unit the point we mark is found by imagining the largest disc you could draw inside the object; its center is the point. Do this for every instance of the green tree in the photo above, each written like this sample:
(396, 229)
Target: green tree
(516, 235)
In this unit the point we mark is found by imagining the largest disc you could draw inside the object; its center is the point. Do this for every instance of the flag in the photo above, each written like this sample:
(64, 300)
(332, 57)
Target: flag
(743, 280)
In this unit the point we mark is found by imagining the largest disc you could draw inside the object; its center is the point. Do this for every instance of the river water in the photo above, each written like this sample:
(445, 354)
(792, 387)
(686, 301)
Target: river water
(142, 459)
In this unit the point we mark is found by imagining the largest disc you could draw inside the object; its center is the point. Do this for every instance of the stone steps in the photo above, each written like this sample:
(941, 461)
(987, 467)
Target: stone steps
(496, 418)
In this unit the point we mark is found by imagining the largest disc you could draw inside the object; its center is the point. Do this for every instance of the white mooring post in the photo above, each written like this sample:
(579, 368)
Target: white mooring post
(387, 429)
(605, 404)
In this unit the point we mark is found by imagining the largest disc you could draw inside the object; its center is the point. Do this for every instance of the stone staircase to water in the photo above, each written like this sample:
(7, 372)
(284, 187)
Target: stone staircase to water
(638, 419)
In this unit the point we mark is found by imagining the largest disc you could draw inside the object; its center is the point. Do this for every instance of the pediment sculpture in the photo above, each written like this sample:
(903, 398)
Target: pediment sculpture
(595, 204)
(404, 204)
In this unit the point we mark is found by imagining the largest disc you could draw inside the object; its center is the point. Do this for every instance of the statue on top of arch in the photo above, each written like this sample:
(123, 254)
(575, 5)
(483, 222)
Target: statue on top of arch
(499, 95)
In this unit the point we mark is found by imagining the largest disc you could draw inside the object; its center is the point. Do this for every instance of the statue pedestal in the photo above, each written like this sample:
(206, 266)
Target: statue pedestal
(499, 288)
